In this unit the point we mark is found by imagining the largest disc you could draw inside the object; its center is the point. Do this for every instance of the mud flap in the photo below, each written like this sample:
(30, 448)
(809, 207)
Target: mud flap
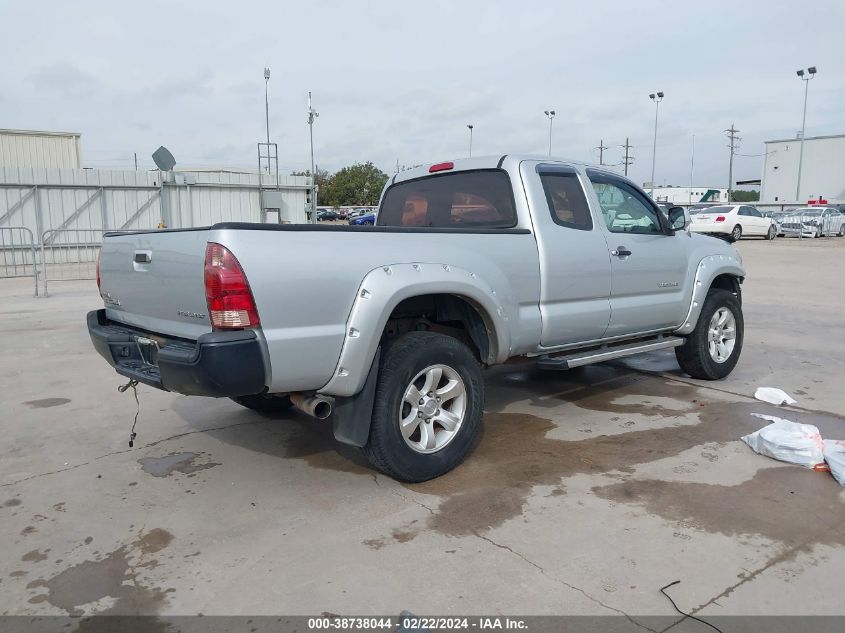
(352, 415)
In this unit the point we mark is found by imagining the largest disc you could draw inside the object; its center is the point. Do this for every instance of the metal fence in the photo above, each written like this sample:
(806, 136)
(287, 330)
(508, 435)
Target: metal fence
(69, 255)
(17, 254)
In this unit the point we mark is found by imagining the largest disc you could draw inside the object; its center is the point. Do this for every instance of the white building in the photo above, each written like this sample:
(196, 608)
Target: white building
(822, 170)
(31, 148)
(688, 195)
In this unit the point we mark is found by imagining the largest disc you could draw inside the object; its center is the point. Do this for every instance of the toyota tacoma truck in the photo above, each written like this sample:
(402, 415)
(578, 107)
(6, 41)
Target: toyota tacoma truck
(385, 329)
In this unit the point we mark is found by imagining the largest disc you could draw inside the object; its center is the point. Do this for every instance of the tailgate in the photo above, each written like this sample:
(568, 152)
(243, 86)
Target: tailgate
(155, 281)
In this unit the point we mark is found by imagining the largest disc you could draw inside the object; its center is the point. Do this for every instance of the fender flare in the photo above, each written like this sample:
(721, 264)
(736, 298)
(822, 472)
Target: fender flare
(383, 288)
(708, 269)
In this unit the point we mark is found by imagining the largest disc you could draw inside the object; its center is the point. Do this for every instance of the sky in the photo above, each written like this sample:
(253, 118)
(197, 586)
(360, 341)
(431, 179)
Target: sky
(399, 81)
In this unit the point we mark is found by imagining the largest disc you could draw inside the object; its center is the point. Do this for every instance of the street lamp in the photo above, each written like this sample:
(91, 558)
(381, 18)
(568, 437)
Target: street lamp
(551, 115)
(657, 98)
(470, 126)
(812, 71)
(312, 114)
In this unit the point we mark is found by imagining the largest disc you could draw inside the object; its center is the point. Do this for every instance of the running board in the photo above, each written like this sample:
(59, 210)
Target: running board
(607, 352)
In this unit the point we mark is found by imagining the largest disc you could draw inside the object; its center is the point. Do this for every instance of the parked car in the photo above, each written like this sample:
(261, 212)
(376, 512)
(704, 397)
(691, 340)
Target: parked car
(328, 214)
(732, 222)
(368, 218)
(471, 263)
(814, 222)
(775, 217)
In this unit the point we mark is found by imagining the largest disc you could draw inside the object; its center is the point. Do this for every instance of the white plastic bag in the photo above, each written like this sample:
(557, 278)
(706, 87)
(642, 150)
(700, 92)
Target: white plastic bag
(788, 441)
(834, 455)
(773, 396)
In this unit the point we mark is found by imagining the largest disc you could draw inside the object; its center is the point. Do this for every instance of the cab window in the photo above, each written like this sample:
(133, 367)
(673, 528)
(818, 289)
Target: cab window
(471, 199)
(567, 202)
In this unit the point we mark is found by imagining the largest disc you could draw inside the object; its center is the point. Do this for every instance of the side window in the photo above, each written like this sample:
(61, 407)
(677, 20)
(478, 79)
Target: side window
(743, 211)
(625, 210)
(567, 202)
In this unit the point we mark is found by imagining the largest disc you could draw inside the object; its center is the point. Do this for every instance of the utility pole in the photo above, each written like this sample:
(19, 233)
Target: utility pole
(312, 114)
(657, 98)
(691, 169)
(601, 149)
(551, 115)
(628, 160)
(731, 132)
(136, 161)
(267, 113)
(800, 73)
(470, 126)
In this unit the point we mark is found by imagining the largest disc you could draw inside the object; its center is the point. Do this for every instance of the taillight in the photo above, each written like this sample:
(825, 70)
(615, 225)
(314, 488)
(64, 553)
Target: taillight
(230, 302)
(98, 269)
(721, 218)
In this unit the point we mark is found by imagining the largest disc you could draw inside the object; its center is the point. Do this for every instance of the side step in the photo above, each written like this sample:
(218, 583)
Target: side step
(577, 358)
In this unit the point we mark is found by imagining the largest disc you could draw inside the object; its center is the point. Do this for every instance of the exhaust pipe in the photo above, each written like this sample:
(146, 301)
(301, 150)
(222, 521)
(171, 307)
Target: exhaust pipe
(316, 406)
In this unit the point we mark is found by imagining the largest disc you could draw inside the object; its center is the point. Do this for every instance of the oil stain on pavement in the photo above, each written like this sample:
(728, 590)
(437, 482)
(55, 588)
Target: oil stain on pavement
(45, 403)
(113, 576)
(174, 462)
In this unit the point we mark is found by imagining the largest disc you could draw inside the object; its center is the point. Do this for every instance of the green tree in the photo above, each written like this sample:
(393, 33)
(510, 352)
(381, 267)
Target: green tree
(322, 179)
(360, 183)
(745, 196)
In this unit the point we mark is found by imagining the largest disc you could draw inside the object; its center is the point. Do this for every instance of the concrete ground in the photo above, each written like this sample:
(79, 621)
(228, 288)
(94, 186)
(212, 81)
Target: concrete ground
(588, 492)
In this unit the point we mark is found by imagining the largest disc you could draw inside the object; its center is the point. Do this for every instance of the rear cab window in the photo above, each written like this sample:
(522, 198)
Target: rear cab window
(466, 199)
(566, 199)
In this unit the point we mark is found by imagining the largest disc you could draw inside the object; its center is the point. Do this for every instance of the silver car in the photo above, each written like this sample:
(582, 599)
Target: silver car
(814, 222)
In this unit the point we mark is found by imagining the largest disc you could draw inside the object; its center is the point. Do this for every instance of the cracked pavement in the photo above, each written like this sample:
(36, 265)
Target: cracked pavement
(589, 491)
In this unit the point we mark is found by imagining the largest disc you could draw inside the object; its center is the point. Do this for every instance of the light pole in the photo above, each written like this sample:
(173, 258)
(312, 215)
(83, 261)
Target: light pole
(551, 115)
(657, 98)
(812, 71)
(267, 111)
(312, 114)
(470, 126)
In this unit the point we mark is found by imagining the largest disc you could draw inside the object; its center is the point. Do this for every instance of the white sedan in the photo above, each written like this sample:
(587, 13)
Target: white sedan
(732, 222)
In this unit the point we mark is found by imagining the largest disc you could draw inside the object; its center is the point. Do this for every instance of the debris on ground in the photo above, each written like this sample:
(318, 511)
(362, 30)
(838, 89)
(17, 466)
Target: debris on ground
(775, 396)
(834, 455)
(787, 441)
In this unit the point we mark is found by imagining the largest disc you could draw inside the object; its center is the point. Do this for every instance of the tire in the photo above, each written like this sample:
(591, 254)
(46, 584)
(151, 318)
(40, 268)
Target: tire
(404, 363)
(841, 231)
(736, 234)
(695, 356)
(269, 403)
(818, 233)
(772, 234)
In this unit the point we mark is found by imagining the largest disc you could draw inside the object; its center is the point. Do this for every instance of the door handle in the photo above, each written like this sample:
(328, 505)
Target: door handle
(620, 251)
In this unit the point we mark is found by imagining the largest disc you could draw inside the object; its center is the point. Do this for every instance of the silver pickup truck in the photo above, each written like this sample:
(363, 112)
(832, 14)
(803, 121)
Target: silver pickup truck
(385, 329)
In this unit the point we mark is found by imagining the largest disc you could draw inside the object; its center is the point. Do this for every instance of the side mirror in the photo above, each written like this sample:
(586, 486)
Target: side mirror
(679, 219)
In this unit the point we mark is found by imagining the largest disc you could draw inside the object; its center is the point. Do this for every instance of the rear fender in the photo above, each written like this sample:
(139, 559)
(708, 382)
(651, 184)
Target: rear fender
(385, 287)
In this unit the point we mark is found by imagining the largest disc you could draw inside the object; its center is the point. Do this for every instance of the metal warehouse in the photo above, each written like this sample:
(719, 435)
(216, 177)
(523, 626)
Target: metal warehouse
(822, 170)
(32, 148)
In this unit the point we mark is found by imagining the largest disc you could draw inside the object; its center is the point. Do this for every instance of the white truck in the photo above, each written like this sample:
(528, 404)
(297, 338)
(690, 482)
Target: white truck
(385, 329)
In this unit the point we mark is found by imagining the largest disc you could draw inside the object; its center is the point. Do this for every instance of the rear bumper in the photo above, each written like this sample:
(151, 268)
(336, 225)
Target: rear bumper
(711, 228)
(217, 364)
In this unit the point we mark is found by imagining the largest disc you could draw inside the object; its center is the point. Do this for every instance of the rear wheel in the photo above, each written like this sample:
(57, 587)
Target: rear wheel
(265, 403)
(736, 234)
(841, 231)
(428, 406)
(712, 350)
